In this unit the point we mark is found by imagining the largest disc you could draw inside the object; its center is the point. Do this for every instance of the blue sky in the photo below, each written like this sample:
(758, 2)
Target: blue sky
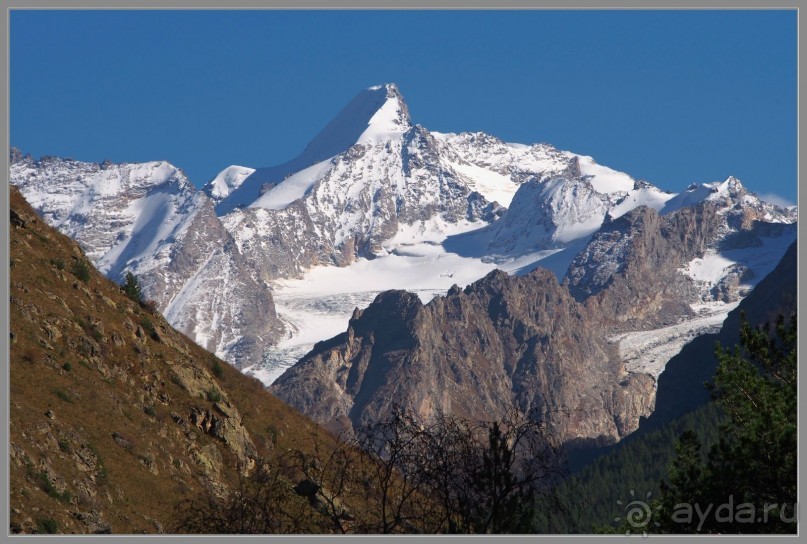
(671, 97)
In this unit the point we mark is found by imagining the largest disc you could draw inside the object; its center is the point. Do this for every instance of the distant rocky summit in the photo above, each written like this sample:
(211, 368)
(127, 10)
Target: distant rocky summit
(501, 342)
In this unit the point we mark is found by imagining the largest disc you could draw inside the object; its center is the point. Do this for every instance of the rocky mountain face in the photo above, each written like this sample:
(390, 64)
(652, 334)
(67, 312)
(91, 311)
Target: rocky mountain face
(503, 341)
(115, 416)
(642, 260)
(630, 268)
(344, 207)
(207, 257)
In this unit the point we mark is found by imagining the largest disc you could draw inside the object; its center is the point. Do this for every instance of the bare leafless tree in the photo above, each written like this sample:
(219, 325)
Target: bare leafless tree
(261, 503)
(404, 474)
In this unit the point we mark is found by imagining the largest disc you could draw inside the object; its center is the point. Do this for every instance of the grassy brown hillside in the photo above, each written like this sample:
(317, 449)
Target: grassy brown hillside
(116, 418)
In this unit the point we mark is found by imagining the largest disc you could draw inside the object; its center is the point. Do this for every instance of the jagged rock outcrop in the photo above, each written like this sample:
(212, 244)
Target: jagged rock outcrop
(630, 269)
(645, 270)
(503, 341)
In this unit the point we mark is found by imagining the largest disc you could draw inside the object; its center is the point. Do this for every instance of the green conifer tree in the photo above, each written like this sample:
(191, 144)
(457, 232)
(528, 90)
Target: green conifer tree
(131, 287)
(751, 472)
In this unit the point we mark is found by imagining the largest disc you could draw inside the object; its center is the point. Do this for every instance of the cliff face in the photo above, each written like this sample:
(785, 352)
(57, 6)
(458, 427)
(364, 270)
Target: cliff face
(115, 416)
(501, 342)
(630, 271)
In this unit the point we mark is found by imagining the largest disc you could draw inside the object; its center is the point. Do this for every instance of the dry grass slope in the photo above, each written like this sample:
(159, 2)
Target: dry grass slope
(116, 417)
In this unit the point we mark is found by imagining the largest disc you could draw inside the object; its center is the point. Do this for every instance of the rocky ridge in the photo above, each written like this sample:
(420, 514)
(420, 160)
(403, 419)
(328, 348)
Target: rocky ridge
(503, 341)
(369, 173)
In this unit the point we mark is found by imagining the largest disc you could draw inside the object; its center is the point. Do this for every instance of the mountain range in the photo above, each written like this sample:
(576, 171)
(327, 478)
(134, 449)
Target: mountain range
(271, 267)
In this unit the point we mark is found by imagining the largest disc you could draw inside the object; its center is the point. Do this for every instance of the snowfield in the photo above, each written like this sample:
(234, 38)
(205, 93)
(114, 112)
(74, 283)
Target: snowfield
(709, 270)
(493, 186)
(292, 188)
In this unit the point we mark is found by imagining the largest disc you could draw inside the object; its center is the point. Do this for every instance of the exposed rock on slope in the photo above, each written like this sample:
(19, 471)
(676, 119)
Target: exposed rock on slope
(346, 205)
(631, 266)
(644, 270)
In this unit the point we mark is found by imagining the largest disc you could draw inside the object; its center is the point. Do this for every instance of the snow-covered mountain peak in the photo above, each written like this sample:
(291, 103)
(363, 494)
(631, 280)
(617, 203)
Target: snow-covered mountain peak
(390, 120)
(696, 193)
(119, 212)
(541, 161)
(549, 213)
(731, 189)
(374, 116)
(604, 180)
(227, 181)
(731, 197)
(64, 188)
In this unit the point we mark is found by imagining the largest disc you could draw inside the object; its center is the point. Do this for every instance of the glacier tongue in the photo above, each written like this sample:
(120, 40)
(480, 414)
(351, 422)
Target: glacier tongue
(648, 351)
